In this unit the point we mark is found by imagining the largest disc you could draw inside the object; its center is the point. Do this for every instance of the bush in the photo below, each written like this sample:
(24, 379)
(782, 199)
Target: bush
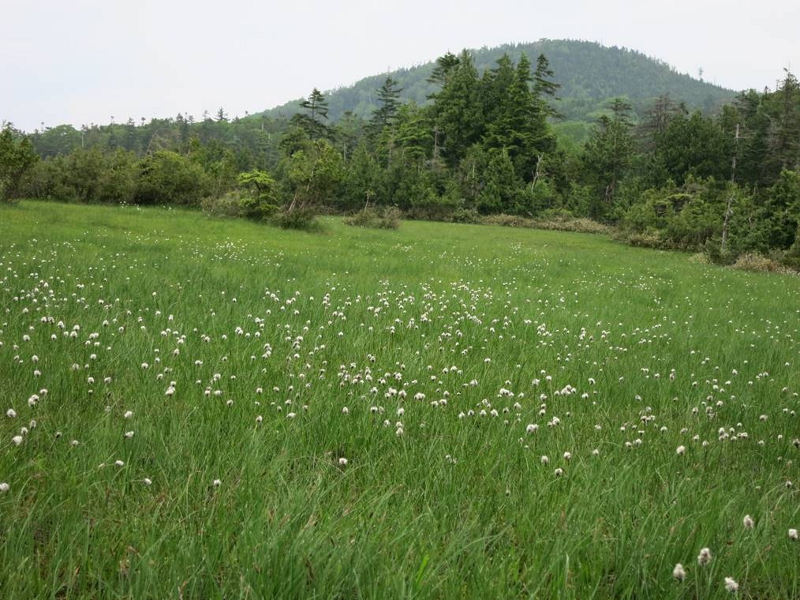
(170, 178)
(560, 221)
(302, 218)
(759, 263)
(227, 205)
(387, 218)
(465, 215)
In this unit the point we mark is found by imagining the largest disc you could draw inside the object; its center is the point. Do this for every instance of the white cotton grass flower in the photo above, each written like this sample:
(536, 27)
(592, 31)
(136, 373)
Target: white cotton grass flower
(128, 414)
(147, 481)
(558, 472)
(11, 413)
(704, 557)
(532, 428)
(4, 487)
(731, 585)
(128, 435)
(119, 463)
(793, 535)
(17, 439)
(342, 461)
(217, 482)
(748, 522)
(681, 450)
(545, 460)
(678, 572)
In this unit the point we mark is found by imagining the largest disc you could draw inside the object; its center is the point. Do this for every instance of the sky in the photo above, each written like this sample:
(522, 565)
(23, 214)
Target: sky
(86, 61)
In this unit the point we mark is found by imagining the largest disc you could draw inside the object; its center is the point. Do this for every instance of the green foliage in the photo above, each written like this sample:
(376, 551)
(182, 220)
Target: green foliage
(313, 120)
(382, 218)
(170, 178)
(312, 175)
(606, 157)
(301, 219)
(16, 159)
(260, 199)
(587, 73)
(481, 140)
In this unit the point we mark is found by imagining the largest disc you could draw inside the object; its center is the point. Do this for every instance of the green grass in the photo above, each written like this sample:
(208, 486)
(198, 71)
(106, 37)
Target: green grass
(438, 502)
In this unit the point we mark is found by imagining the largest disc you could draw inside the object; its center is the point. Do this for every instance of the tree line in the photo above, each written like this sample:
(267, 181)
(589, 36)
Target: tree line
(483, 144)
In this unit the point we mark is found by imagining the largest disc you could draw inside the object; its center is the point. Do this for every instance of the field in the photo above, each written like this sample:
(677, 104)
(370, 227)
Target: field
(196, 408)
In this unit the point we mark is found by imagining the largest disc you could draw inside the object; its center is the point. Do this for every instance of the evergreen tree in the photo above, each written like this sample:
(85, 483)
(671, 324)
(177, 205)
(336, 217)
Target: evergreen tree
(544, 89)
(607, 154)
(317, 110)
(458, 110)
(389, 103)
(445, 65)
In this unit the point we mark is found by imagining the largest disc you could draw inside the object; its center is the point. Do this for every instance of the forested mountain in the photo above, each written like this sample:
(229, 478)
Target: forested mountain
(526, 136)
(588, 73)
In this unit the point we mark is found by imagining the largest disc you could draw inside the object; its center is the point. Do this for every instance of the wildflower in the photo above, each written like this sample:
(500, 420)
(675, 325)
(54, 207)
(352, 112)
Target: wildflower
(532, 428)
(128, 414)
(11, 413)
(595, 452)
(345, 410)
(558, 472)
(217, 482)
(731, 585)
(17, 439)
(678, 572)
(342, 461)
(681, 450)
(147, 481)
(4, 487)
(119, 463)
(545, 460)
(128, 435)
(793, 534)
(567, 455)
(704, 557)
(748, 522)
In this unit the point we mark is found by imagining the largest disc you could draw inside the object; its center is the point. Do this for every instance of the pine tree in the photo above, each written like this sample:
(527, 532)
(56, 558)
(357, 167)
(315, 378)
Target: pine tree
(458, 110)
(607, 154)
(316, 106)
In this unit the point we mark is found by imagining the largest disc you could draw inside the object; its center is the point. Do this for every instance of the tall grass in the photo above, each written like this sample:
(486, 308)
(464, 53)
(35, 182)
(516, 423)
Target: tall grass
(350, 413)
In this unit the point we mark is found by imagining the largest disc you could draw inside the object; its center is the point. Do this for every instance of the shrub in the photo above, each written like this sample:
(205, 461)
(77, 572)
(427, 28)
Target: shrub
(387, 218)
(227, 205)
(758, 263)
(465, 215)
(301, 218)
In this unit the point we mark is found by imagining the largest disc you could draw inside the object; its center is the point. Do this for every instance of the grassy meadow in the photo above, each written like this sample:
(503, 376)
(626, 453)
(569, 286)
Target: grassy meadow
(198, 408)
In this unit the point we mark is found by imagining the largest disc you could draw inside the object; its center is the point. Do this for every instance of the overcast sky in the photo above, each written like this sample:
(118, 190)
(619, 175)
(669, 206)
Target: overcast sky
(82, 61)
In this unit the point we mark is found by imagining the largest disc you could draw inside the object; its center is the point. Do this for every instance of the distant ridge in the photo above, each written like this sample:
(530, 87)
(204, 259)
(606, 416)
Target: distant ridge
(588, 72)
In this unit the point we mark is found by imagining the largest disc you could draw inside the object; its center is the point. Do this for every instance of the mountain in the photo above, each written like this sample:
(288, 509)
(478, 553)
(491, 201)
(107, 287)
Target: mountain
(588, 72)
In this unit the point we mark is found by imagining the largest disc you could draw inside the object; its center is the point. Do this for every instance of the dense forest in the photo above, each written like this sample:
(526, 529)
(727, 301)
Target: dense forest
(483, 142)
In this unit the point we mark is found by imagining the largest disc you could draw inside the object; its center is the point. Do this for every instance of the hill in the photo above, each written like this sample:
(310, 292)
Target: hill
(589, 74)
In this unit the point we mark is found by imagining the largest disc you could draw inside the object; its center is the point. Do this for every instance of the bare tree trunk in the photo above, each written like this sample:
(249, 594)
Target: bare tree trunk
(729, 207)
(536, 172)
